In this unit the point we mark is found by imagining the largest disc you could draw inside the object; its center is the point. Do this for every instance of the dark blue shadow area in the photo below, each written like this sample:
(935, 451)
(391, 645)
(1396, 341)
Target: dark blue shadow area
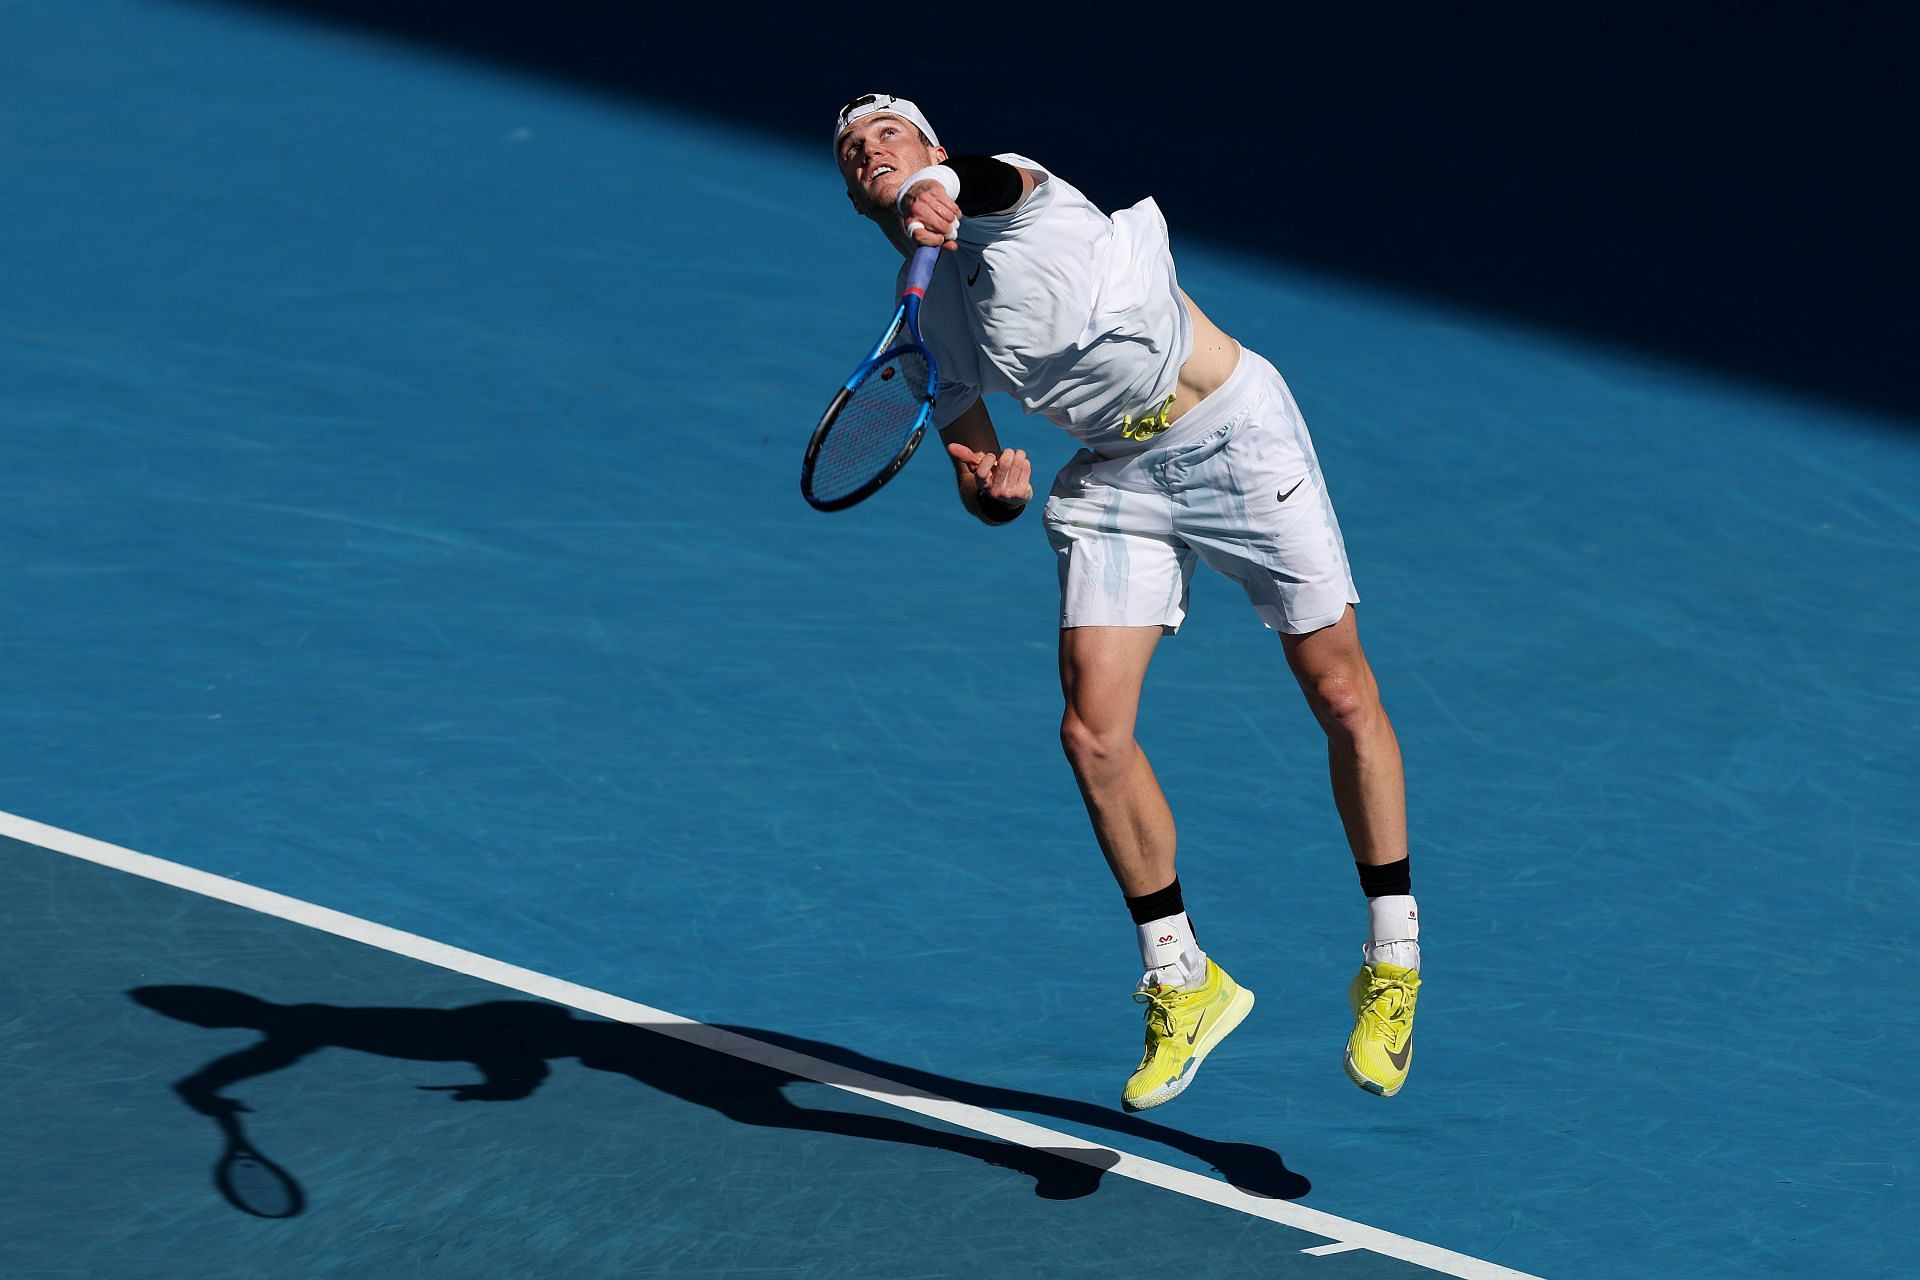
(369, 1096)
(511, 1046)
(1728, 185)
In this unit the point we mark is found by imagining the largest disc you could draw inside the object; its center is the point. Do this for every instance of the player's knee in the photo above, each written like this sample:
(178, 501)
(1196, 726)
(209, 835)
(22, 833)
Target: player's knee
(1343, 703)
(1091, 751)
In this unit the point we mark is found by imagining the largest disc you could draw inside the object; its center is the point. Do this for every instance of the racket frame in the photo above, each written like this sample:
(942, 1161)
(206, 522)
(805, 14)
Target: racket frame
(905, 323)
(239, 1150)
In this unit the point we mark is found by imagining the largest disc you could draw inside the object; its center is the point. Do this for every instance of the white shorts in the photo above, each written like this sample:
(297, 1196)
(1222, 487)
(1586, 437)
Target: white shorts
(1236, 483)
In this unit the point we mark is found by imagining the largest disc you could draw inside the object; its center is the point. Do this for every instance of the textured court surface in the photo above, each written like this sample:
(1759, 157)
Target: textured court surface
(596, 1148)
(401, 515)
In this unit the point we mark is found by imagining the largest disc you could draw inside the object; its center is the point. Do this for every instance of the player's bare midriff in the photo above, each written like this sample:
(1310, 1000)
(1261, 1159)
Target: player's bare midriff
(1207, 368)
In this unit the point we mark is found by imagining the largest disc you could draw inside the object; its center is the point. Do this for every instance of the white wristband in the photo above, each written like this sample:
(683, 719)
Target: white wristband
(939, 173)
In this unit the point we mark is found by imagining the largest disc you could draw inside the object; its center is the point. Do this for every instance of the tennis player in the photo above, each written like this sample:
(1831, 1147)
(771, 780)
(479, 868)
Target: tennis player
(1193, 450)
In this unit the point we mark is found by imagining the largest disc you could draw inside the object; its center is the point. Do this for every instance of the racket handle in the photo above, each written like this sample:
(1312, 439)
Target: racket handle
(920, 271)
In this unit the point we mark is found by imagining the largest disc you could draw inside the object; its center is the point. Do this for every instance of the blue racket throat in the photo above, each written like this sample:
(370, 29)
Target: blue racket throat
(903, 332)
(881, 412)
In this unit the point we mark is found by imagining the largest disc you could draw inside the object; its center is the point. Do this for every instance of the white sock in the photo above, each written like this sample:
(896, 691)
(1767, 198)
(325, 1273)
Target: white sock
(1393, 930)
(1168, 951)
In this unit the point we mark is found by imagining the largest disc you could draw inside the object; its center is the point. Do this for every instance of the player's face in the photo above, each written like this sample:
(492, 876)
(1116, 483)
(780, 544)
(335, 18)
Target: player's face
(876, 156)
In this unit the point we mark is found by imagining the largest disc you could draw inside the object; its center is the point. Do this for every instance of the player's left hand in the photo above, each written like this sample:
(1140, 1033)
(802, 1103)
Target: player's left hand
(1006, 476)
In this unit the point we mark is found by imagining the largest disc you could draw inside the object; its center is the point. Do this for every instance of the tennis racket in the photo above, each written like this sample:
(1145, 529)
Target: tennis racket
(875, 422)
(252, 1183)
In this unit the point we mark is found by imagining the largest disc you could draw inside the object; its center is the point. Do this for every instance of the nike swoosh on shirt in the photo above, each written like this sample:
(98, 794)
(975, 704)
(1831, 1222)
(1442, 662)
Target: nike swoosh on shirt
(1289, 493)
(974, 276)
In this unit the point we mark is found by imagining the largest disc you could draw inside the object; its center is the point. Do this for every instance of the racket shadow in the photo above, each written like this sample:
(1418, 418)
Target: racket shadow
(252, 1183)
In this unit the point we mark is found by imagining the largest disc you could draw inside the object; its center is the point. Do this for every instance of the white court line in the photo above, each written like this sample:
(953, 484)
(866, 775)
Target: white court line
(1344, 1234)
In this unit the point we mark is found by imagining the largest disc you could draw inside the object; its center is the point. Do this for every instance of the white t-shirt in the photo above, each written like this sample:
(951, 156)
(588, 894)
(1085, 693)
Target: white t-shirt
(1075, 314)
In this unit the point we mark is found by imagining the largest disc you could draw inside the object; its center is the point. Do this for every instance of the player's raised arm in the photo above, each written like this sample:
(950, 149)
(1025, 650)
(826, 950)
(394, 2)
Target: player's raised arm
(931, 206)
(995, 484)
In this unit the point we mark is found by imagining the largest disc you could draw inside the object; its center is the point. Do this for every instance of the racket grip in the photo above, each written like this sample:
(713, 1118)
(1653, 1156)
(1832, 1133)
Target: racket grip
(920, 270)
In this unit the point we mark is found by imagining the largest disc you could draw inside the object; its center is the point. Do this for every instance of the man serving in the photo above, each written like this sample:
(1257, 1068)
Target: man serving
(1192, 450)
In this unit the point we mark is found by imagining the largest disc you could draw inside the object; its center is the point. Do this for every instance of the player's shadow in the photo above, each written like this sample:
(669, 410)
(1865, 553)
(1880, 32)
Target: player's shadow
(511, 1045)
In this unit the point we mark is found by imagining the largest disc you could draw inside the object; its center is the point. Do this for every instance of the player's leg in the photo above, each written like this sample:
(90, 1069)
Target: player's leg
(1122, 587)
(1123, 584)
(1369, 789)
(1258, 510)
(1363, 755)
(1101, 673)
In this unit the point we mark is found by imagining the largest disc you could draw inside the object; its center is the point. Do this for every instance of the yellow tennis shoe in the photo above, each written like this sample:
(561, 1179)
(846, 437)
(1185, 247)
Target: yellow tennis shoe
(1381, 1047)
(1183, 1026)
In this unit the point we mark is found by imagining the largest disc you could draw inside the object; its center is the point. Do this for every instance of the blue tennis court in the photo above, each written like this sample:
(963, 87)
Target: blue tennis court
(436, 723)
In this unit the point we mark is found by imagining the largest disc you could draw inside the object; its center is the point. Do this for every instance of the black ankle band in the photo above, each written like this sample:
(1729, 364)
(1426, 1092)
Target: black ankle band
(1158, 904)
(1378, 882)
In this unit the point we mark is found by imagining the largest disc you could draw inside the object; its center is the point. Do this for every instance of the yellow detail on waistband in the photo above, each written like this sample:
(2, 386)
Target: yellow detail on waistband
(1150, 426)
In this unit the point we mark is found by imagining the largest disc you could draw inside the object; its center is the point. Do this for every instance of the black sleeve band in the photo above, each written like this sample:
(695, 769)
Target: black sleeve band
(986, 185)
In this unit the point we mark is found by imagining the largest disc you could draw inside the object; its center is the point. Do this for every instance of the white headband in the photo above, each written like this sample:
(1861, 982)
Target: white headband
(869, 103)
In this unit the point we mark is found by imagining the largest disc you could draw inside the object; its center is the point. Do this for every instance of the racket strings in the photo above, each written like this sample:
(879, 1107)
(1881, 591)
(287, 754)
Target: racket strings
(877, 420)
